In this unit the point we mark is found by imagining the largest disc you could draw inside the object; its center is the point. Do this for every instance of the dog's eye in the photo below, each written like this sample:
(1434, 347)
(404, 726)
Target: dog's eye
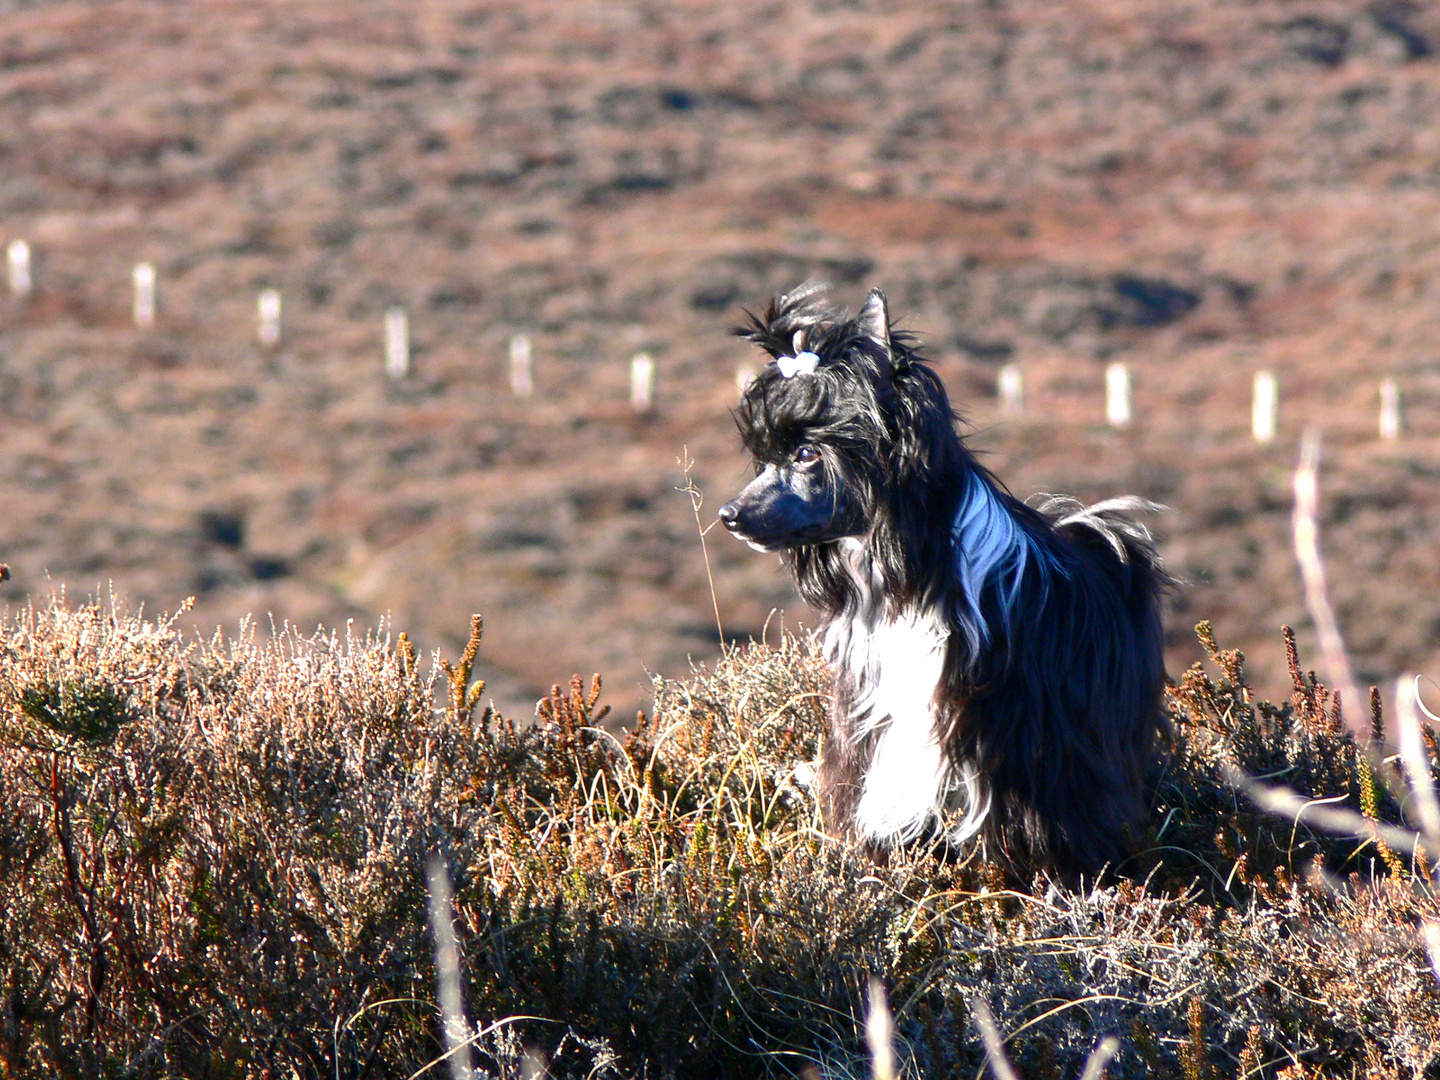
(807, 455)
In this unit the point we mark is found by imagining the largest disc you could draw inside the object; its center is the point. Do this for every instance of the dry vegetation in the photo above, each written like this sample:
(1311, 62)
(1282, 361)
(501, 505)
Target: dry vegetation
(212, 863)
(1198, 190)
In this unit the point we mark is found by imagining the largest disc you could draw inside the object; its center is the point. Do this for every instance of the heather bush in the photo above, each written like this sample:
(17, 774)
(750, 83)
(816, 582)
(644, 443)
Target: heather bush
(213, 863)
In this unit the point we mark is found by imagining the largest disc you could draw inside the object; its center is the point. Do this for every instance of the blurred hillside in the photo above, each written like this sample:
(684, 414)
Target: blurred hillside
(1199, 192)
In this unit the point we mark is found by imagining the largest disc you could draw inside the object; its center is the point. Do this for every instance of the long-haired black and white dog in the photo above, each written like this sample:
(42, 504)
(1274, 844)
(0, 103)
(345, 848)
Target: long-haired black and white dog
(998, 668)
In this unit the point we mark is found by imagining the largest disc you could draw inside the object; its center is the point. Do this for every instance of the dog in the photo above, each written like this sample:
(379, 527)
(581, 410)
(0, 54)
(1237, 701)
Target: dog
(998, 668)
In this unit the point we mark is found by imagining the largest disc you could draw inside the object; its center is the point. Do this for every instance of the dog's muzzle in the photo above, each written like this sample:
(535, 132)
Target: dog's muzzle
(729, 515)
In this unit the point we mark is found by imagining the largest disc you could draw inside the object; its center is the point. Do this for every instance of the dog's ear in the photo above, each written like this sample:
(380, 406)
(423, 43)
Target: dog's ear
(875, 321)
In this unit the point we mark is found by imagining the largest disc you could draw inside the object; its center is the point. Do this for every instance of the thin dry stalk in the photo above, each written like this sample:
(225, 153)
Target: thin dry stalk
(1334, 658)
(1430, 933)
(1417, 761)
(1323, 814)
(447, 970)
(1100, 1058)
(994, 1044)
(697, 500)
(880, 1033)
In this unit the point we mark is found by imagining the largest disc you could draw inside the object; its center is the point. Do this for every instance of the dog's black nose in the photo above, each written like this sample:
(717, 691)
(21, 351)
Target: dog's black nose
(729, 515)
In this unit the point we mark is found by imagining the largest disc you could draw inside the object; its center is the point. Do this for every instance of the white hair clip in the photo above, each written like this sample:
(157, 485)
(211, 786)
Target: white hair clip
(802, 363)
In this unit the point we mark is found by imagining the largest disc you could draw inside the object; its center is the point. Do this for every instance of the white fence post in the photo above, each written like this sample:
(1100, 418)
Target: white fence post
(397, 343)
(1010, 384)
(268, 308)
(17, 262)
(642, 382)
(1389, 410)
(143, 277)
(522, 370)
(1117, 395)
(1265, 407)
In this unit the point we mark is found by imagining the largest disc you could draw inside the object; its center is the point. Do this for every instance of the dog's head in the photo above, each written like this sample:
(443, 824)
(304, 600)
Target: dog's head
(820, 420)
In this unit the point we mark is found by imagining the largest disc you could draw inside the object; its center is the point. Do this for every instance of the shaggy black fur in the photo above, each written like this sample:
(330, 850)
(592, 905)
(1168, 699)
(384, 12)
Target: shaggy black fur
(1046, 706)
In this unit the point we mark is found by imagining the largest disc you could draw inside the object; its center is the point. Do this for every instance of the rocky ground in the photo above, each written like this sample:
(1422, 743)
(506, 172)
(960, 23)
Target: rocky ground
(1199, 192)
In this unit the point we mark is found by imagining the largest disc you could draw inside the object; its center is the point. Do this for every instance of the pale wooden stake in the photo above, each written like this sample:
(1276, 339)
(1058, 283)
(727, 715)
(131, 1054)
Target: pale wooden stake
(1389, 410)
(1010, 384)
(268, 308)
(1117, 395)
(1265, 407)
(642, 382)
(143, 277)
(397, 343)
(17, 262)
(522, 366)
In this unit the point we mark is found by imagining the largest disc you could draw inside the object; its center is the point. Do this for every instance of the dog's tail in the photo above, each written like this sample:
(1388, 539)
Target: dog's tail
(1117, 522)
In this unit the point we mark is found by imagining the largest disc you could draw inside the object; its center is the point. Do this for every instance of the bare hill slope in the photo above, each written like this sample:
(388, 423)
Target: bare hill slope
(1199, 193)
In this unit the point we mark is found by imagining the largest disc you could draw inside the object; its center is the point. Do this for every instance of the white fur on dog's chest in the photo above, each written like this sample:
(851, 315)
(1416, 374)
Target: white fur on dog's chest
(895, 665)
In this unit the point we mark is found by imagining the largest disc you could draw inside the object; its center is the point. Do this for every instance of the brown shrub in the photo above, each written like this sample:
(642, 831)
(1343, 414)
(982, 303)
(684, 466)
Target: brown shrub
(212, 863)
